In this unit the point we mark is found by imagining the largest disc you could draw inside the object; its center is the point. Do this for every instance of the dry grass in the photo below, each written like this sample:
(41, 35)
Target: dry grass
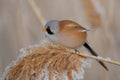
(55, 58)
(93, 16)
(37, 13)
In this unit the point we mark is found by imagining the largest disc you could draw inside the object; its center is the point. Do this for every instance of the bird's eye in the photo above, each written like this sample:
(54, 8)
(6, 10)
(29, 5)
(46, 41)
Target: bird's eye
(49, 31)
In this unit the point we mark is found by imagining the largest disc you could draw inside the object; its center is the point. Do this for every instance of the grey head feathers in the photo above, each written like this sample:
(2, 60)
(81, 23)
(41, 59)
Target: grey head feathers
(52, 27)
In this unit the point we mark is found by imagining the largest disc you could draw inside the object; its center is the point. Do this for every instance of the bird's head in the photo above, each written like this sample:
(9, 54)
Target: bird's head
(51, 27)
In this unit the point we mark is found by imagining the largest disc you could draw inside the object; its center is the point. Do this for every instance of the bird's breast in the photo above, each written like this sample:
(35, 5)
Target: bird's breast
(72, 39)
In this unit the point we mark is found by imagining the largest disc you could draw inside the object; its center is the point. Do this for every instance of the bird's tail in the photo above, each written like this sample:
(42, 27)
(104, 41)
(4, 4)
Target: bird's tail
(95, 54)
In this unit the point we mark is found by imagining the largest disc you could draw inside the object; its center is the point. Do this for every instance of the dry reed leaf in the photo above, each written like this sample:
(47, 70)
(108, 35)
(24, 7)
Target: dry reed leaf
(47, 62)
(94, 17)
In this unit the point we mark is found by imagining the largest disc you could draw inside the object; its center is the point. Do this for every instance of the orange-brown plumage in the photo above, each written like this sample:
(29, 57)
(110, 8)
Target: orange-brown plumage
(70, 34)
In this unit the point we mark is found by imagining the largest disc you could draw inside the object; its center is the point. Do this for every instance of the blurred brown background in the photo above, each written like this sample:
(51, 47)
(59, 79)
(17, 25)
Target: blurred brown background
(19, 27)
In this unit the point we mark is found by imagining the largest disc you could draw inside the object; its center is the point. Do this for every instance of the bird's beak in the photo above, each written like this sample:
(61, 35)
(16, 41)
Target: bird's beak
(44, 29)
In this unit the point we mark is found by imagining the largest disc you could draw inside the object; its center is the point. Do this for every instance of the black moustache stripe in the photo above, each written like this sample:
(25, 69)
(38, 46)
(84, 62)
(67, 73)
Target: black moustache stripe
(49, 31)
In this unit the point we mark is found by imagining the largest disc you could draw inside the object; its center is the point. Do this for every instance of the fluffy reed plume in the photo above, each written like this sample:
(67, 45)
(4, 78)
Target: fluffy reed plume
(47, 62)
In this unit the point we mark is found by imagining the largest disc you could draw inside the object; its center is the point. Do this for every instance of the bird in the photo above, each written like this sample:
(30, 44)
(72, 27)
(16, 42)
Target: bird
(69, 34)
